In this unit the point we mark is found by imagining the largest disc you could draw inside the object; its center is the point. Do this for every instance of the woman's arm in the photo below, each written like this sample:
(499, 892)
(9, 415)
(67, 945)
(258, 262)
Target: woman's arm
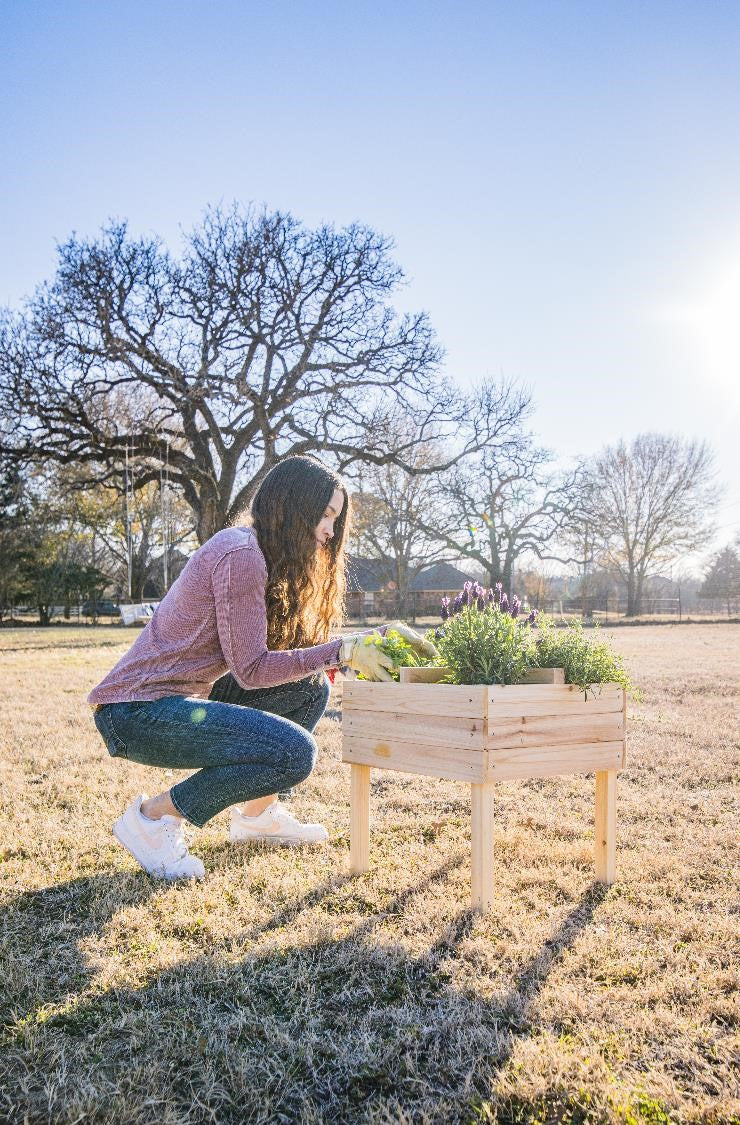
(239, 582)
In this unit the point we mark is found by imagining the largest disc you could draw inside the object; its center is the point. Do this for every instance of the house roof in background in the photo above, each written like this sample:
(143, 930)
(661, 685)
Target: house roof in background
(367, 574)
(440, 576)
(372, 575)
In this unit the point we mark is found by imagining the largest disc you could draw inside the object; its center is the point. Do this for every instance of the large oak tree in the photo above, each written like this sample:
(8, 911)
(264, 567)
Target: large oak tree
(262, 339)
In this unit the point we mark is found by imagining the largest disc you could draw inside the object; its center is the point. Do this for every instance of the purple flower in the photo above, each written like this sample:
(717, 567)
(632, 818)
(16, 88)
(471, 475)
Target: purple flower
(516, 606)
(504, 601)
(465, 596)
(481, 602)
(445, 608)
(438, 633)
(498, 594)
(489, 596)
(457, 605)
(532, 619)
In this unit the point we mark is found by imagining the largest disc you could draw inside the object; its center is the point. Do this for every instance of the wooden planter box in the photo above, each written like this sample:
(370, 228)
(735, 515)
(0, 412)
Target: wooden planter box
(480, 735)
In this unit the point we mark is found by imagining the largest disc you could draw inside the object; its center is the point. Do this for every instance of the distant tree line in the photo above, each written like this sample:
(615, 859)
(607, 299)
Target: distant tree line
(144, 396)
(722, 580)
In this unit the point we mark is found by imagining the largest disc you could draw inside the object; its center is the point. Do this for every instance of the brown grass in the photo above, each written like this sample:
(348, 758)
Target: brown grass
(280, 990)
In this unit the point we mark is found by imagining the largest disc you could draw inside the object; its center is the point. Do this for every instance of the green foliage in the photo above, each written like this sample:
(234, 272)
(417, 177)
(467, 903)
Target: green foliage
(647, 1111)
(481, 643)
(397, 648)
(585, 659)
(486, 646)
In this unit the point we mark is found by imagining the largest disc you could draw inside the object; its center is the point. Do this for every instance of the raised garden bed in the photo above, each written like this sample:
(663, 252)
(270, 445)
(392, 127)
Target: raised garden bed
(481, 734)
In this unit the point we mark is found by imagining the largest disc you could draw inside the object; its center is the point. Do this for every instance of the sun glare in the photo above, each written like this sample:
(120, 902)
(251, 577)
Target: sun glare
(711, 322)
(718, 327)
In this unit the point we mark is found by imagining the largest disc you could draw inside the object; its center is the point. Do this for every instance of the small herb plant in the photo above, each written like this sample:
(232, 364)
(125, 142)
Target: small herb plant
(585, 659)
(397, 648)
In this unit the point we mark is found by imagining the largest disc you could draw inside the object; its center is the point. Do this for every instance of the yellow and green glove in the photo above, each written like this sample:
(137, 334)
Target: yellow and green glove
(360, 652)
(419, 644)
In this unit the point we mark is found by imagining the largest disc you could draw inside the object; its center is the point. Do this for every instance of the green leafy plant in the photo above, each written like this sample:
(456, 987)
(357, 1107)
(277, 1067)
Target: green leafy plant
(484, 646)
(586, 659)
(485, 638)
(397, 648)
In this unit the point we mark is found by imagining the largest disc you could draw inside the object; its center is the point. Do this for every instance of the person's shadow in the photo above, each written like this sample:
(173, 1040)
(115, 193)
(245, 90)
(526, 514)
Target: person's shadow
(42, 933)
(336, 1029)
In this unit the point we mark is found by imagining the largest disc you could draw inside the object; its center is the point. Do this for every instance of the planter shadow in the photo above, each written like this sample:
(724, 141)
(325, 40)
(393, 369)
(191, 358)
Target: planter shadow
(337, 1029)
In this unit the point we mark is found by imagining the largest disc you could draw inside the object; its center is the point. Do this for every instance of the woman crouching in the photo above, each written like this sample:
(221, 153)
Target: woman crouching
(228, 678)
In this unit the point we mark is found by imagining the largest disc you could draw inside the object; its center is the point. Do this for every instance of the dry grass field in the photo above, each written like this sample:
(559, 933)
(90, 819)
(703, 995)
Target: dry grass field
(280, 990)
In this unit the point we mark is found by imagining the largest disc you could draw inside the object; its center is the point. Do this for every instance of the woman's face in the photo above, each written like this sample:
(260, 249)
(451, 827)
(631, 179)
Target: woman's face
(325, 529)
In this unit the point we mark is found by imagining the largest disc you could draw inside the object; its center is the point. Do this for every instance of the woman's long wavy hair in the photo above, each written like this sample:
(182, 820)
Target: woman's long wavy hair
(305, 596)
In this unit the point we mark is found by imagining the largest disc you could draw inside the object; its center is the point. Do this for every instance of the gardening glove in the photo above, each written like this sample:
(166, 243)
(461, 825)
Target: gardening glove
(360, 653)
(418, 643)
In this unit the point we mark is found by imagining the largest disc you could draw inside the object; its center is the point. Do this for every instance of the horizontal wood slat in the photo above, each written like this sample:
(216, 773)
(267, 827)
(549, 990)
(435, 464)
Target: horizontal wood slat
(552, 691)
(432, 761)
(554, 730)
(434, 730)
(414, 699)
(545, 761)
(519, 701)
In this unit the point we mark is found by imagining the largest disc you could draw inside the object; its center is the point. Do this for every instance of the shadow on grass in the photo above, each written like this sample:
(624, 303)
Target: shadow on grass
(40, 959)
(340, 1028)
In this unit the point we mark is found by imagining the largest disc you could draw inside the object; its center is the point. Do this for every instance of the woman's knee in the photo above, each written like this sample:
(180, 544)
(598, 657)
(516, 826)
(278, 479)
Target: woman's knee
(300, 758)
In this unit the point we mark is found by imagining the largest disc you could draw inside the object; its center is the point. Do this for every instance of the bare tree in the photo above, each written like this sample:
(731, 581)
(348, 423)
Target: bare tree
(139, 550)
(649, 502)
(503, 505)
(264, 339)
(391, 506)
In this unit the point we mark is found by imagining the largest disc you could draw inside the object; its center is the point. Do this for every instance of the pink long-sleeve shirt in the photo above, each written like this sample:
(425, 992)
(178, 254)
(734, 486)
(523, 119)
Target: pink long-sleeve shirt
(213, 620)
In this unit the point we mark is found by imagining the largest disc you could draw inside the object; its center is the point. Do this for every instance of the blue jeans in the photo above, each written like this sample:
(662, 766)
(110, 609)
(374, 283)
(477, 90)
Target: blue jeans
(244, 744)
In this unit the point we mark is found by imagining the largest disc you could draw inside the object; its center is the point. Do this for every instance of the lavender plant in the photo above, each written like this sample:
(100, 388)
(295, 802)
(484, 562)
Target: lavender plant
(481, 639)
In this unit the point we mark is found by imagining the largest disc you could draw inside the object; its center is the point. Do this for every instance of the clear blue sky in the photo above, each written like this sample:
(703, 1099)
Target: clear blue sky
(562, 180)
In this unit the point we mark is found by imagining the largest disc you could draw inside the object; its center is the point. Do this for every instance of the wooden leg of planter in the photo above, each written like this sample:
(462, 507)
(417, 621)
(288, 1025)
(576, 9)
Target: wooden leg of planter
(359, 829)
(481, 867)
(605, 828)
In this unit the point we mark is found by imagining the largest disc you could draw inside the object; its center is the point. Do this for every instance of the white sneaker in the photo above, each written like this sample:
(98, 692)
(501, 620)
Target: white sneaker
(158, 845)
(275, 825)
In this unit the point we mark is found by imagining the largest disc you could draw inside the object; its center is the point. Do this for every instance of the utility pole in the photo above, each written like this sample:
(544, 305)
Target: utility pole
(129, 504)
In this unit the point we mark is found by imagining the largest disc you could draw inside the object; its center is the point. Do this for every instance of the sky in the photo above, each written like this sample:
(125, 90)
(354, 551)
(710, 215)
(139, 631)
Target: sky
(561, 179)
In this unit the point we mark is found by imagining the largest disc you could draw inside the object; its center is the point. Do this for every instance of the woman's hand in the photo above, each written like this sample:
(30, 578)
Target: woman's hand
(360, 652)
(419, 644)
